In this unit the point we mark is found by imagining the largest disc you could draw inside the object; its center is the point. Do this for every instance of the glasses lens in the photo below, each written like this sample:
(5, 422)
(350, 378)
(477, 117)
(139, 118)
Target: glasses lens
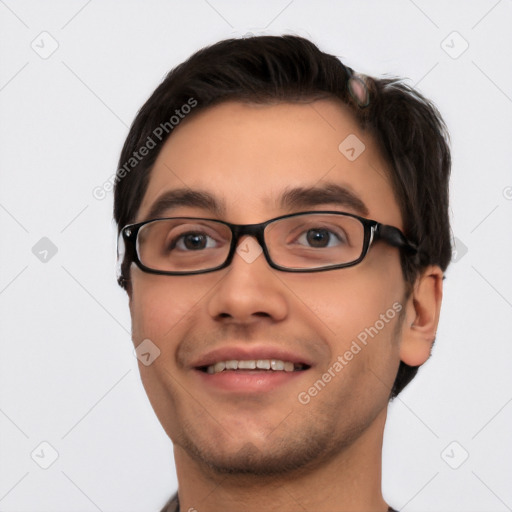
(183, 244)
(304, 241)
(315, 240)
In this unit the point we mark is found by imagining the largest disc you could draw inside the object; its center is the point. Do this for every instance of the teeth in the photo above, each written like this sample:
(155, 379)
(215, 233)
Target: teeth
(260, 364)
(276, 364)
(263, 364)
(218, 367)
(246, 365)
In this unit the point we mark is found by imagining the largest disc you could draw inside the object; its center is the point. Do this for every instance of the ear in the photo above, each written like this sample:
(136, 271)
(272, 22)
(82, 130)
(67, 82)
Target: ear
(422, 317)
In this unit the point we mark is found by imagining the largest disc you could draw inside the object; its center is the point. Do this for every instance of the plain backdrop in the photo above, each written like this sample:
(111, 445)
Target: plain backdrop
(73, 75)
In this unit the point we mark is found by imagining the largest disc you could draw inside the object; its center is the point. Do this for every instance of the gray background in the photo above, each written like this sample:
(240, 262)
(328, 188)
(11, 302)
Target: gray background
(68, 375)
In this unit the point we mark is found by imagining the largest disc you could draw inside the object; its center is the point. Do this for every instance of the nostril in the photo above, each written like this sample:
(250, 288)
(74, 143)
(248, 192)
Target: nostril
(261, 313)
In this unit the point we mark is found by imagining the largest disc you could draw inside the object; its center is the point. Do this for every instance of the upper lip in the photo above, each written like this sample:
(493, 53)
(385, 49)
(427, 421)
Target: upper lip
(249, 353)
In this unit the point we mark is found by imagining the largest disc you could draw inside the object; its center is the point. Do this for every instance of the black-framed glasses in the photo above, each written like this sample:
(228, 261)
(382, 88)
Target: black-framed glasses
(299, 242)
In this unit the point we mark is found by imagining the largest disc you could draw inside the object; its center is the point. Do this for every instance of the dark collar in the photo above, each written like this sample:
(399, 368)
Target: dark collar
(173, 505)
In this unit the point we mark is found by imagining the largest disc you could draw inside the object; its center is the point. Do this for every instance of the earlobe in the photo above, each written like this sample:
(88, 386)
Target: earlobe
(422, 317)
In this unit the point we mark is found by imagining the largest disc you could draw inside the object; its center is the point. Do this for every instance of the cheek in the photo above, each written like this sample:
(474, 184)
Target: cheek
(160, 305)
(346, 301)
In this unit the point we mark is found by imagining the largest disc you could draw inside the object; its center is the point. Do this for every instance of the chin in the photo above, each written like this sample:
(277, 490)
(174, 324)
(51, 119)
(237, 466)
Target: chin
(265, 457)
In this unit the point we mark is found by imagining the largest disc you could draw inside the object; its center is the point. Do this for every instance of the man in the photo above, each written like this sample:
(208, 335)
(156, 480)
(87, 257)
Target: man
(283, 231)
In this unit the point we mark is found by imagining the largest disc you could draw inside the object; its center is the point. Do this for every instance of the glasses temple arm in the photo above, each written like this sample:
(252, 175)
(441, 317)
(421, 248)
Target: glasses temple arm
(394, 237)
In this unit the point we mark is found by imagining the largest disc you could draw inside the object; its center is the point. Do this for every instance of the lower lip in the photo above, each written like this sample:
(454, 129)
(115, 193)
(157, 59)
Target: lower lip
(249, 381)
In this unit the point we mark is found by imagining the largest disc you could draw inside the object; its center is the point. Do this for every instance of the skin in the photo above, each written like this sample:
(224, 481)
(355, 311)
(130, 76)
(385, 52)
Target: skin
(280, 454)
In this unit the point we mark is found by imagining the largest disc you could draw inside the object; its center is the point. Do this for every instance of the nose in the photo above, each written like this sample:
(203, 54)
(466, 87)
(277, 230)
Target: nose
(249, 289)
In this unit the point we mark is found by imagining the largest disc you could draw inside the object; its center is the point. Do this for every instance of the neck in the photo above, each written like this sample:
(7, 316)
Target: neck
(349, 481)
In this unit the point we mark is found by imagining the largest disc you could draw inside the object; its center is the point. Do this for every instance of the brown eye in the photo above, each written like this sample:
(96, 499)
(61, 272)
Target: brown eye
(191, 241)
(321, 238)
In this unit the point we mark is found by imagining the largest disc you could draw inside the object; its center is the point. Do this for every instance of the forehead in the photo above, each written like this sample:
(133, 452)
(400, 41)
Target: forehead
(246, 156)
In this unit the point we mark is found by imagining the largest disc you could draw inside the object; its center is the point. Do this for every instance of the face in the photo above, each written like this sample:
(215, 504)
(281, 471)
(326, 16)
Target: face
(343, 325)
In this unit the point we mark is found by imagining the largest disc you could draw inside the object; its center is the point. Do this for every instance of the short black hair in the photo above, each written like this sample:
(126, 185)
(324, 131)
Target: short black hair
(408, 129)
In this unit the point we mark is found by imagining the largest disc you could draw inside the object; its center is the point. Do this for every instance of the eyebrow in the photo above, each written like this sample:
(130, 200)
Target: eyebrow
(291, 199)
(173, 199)
(309, 197)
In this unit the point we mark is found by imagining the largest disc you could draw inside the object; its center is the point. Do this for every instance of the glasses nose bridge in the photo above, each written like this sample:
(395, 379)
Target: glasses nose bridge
(255, 230)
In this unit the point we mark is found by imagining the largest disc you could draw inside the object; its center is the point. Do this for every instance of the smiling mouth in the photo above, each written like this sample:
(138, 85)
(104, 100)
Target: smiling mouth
(260, 365)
